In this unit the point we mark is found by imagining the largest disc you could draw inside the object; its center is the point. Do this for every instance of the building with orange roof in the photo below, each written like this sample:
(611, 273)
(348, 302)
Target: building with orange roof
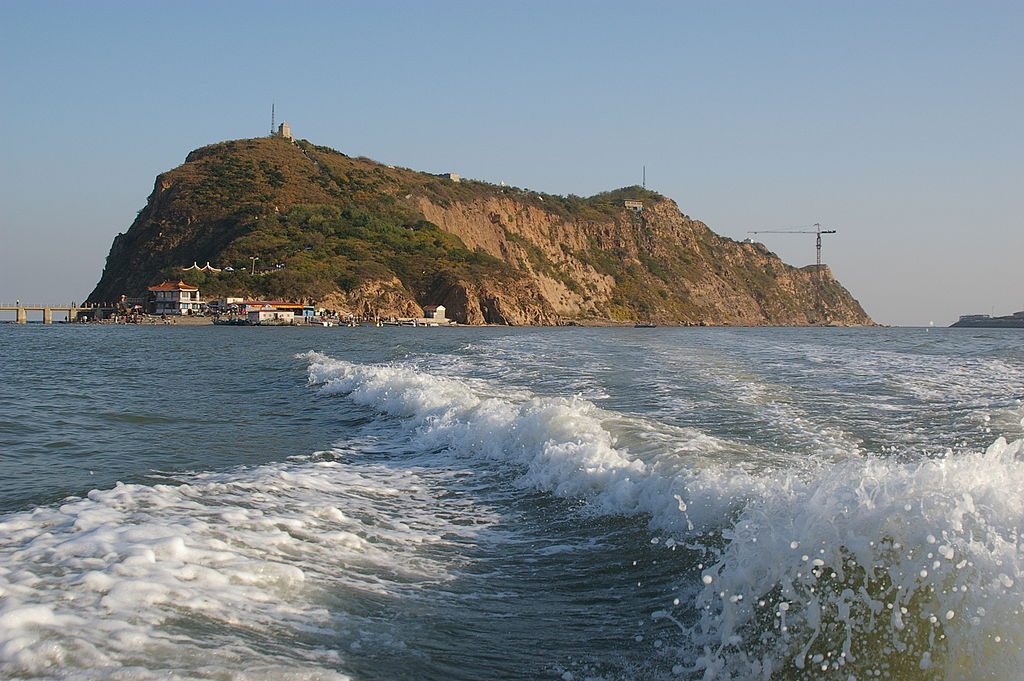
(175, 298)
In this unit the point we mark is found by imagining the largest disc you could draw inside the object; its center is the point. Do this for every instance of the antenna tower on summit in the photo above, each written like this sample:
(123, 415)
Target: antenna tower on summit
(272, 118)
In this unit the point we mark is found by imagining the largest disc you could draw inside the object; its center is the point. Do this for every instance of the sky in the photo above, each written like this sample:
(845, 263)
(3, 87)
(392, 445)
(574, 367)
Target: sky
(898, 124)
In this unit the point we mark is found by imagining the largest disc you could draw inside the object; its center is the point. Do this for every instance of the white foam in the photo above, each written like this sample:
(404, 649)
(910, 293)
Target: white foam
(561, 445)
(871, 567)
(217, 578)
(911, 570)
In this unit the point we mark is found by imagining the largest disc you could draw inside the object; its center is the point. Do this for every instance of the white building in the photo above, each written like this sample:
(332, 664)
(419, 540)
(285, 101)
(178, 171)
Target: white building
(435, 312)
(284, 131)
(268, 314)
(175, 298)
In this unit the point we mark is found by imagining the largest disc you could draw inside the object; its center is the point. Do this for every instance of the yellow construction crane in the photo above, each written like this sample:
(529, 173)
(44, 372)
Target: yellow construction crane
(817, 230)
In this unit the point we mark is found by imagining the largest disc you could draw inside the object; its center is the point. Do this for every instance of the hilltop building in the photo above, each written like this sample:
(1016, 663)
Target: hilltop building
(284, 131)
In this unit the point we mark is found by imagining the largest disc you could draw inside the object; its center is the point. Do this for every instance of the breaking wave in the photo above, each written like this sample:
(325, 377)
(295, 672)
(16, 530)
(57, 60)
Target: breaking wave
(852, 567)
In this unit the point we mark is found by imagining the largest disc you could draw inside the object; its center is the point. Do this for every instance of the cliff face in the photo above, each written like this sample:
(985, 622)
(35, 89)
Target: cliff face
(658, 265)
(372, 239)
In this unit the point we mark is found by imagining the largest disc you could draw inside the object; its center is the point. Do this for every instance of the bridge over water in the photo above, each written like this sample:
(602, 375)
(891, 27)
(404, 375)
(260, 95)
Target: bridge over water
(21, 311)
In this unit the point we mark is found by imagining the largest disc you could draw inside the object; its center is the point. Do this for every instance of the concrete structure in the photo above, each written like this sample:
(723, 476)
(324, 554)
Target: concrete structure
(21, 311)
(268, 314)
(175, 298)
(297, 312)
(635, 206)
(454, 177)
(284, 131)
(435, 313)
(224, 304)
(205, 268)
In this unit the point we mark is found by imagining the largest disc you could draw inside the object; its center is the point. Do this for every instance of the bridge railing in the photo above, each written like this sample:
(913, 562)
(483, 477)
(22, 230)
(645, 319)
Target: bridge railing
(56, 306)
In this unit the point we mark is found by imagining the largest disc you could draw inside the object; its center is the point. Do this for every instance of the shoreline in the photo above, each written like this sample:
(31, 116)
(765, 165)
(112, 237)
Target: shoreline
(583, 324)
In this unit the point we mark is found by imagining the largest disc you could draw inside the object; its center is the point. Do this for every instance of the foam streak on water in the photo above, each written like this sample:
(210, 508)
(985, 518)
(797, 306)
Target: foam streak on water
(224, 576)
(604, 504)
(824, 566)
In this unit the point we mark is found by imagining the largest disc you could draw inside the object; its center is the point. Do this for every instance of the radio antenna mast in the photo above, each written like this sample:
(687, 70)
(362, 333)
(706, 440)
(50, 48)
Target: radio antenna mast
(272, 118)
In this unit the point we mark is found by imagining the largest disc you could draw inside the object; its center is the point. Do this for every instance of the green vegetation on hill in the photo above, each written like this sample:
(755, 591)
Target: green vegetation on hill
(329, 220)
(313, 250)
(321, 222)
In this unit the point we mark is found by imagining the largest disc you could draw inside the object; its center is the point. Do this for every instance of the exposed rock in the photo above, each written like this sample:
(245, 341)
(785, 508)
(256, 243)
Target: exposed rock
(374, 299)
(369, 239)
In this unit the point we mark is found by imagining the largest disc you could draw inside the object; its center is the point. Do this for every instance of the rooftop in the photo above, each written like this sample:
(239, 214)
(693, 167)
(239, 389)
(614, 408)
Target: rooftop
(172, 286)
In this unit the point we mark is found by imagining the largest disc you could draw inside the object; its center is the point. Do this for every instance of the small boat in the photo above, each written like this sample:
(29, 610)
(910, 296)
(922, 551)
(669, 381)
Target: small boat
(645, 325)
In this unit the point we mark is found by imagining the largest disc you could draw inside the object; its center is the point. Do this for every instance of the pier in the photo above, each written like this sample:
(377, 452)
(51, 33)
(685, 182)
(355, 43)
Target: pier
(21, 311)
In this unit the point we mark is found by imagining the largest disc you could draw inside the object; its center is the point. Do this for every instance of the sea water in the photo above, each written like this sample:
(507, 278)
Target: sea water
(480, 503)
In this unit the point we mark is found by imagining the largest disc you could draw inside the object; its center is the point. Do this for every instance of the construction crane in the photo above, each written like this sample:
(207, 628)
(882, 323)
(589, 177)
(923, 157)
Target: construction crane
(817, 230)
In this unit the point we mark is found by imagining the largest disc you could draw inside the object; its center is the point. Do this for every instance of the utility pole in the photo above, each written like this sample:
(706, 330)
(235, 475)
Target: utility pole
(254, 258)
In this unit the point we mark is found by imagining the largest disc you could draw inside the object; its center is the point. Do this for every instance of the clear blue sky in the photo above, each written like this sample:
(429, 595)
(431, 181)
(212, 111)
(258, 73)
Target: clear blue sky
(901, 125)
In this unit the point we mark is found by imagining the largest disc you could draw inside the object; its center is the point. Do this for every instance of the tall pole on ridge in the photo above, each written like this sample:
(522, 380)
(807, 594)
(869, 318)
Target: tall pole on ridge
(817, 227)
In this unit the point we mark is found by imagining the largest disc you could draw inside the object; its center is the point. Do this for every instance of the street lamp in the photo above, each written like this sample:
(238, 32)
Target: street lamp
(254, 258)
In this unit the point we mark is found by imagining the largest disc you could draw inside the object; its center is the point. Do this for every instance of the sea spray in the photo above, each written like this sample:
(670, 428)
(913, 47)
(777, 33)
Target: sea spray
(861, 568)
(227, 575)
(559, 445)
(875, 569)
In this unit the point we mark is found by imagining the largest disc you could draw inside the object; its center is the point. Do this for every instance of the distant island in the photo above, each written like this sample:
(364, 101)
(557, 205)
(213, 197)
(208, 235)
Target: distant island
(984, 321)
(279, 218)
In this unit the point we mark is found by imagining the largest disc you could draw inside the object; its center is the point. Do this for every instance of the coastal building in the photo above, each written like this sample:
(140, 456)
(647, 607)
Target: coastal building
(297, 312)
(268, 314)
(635, 206)
(435, 312)
(223, 305)
(174, 298)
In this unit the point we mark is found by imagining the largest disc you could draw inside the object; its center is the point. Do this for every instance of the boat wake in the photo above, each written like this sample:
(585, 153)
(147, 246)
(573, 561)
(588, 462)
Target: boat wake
(250, 574)
(856, 567)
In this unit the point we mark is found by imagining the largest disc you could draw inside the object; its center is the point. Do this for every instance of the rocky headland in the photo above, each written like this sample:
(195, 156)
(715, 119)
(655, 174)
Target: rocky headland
(370, 239)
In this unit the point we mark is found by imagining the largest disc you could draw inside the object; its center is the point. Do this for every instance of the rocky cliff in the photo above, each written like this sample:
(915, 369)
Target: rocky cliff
(373, 239)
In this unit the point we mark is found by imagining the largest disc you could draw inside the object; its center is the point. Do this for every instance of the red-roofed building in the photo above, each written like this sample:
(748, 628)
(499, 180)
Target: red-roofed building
(177, 298)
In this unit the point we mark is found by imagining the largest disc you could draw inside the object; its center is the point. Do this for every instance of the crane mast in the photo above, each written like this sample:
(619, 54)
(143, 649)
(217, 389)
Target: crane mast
(817, 231)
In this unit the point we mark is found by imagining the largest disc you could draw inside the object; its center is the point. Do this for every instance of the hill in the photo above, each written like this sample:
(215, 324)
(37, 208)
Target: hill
(363, 237)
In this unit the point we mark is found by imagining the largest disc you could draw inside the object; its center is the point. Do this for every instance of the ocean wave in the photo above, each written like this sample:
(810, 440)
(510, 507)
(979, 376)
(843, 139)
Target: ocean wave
(874, 569)
(560, 444)
(226, 576)
(856, 566)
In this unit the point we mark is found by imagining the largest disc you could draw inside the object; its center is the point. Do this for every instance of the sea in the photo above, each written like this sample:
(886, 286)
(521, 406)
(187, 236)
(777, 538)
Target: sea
(393, 504)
